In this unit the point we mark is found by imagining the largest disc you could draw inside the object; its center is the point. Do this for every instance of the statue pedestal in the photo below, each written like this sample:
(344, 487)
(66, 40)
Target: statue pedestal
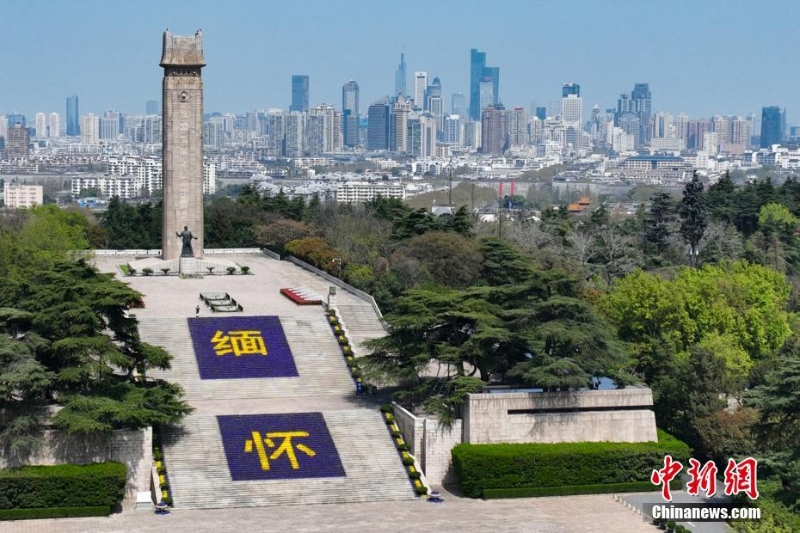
(188, 266)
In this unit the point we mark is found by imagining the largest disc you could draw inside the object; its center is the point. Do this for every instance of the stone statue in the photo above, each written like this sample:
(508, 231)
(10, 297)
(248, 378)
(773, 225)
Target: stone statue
(187, 237)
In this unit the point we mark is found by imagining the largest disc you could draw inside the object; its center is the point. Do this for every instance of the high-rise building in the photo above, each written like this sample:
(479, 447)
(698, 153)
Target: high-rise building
(3, 128)
(109, 126)
(572, 109)
(54, 125)
(16, 119)
(398, 131)
(152, 107)
(570, 88)
(378, 122)
(73, 118)
(299, 94)
(18, 142)
(493, 130)
(541, 113)
(350, 113)
(641, 100)
(350, 97)
(400, 77)
(90, 129)
(458, 105)
(486, 93)
(434, 89)
(477, 62)
(518, 127)
(494, 74)
(452, 134)
(420, 88)
(41, 126)
(773, 125)
(294, 134)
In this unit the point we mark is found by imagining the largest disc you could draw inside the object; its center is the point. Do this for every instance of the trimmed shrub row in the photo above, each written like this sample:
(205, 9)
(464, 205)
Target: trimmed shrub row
(53, 512)
(507, 466)
(60, 486)
(569, 490)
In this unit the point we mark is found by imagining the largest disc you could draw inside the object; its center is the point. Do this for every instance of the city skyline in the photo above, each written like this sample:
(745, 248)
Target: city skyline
(534, 65)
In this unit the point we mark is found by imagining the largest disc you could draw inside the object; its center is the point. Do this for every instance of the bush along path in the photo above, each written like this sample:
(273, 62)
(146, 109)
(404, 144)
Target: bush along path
(165, 494)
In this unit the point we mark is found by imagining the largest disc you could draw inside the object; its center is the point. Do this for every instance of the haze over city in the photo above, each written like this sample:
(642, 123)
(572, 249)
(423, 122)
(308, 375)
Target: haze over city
(701, 58)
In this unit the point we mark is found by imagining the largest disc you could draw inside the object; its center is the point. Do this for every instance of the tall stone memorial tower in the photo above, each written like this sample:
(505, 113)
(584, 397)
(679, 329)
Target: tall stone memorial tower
(182, 152)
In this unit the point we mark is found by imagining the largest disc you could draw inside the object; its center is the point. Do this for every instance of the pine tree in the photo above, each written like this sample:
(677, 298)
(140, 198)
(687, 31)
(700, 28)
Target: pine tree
(694, 219)
(658, 221)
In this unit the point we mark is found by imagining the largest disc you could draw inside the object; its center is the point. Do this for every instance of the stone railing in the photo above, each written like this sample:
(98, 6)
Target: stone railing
(156, 253)
(336, 281)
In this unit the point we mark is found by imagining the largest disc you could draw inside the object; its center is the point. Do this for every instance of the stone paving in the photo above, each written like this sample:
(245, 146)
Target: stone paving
(566, 514)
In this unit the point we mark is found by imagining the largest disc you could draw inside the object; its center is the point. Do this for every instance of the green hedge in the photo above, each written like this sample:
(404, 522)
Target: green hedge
(36, 487)
(568, 490)
(53, 512)
(508, 466)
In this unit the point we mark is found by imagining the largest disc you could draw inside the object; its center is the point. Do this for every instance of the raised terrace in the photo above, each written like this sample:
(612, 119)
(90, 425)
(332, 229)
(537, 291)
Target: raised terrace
(286, 432)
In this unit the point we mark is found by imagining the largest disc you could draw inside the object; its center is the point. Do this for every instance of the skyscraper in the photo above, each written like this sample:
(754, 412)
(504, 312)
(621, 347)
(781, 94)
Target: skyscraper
(773, 125)
(90, 129)
(570, 88)
(458, 105)
(434, 89)
(477, 62)
(493, 130)
(18, 142)
(486, 93)
(299, 94)
(420, 88)
(73, 118)
(54, 125)
(350, 113)
(378, 122)
(152, 107)
(41, 126)
(400, 77)
(494, 74)
(641, 104)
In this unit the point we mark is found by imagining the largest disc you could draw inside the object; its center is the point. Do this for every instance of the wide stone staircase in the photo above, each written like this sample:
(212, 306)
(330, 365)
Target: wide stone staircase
(362, 324)
(198, 468)
(200, 477)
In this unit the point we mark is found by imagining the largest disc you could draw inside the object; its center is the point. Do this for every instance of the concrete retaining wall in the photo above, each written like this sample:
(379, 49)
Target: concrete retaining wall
(132, 448)
(430, 444)
(621, 415)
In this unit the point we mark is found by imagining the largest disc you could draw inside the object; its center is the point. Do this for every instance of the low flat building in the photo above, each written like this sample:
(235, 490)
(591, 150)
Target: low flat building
(358, 192)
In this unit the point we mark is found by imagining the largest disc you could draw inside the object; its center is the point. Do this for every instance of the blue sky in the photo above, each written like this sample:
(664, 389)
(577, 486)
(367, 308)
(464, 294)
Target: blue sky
(702, 57)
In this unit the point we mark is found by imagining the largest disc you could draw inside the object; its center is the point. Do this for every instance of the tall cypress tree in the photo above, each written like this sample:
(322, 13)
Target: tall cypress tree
(694, 216)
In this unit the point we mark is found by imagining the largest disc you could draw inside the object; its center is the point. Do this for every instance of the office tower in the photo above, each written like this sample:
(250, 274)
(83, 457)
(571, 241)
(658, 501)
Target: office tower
(493, 130)
(152, 108)
(452, 130)
(541, 113)
(420, 88)
(398, 131)
(18, 142)
(458, 105)
(400, 77)
(350, 113)
(695, 129)
(73, 119)
(493, 73)
(378, 122)
(486, 93)
(41, 126)
(54, 125)
(90, 126)
(350, 97)
(640, 104)
(518, 127)
(434, 89)
(773, 126)
(572, 109)
(421, 136)
(299, 94)
(436, 109)
(477, 62)
(16, 119)
(570, 88)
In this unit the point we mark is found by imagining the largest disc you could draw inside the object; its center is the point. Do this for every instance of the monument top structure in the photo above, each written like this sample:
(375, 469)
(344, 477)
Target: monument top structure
(183, 50)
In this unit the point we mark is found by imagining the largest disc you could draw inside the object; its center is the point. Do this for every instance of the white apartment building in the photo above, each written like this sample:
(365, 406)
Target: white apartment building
(358, 192)
(90, 129)
(41, 126)
(420, 86)
(54, 127)
(17, 195)
(130, 176)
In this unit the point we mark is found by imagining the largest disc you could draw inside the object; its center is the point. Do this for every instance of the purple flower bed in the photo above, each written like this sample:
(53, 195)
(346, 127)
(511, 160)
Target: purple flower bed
(241, 347)
(279, 446)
